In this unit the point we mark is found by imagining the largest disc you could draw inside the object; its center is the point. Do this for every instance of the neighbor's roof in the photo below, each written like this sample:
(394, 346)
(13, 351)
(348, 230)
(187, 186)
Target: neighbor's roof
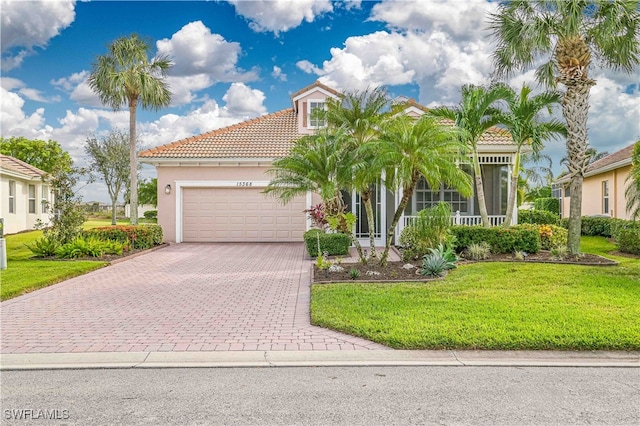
(268, 136)
(616, 160)
(20, 167)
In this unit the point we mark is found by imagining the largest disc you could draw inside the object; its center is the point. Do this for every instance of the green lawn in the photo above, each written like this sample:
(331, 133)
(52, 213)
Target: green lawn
(495, 306)
(24, 274)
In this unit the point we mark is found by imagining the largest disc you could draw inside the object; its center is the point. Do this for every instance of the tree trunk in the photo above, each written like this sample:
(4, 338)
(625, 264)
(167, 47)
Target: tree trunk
(396, 218)
(575, 109)
(513, 194)
(482, 203)
(365, 197)
(133, 159)
(113, 210)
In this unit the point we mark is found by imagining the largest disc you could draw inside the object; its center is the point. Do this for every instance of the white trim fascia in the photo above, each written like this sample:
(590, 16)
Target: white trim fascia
(180, 184)
(496, 148)
(311, 90)
(617, 165)
(207, 162)
(22, 176)
(413, 108)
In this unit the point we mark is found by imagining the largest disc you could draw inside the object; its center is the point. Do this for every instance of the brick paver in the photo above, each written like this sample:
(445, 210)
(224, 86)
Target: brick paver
(186, 297)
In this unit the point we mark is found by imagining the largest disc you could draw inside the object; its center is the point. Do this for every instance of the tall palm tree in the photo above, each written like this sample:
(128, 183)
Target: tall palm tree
(410, 149)
(318, 163)
(632, 192)
(126, 76)
(527, 130)
(564, 35)
(476, 113)
(360, 115)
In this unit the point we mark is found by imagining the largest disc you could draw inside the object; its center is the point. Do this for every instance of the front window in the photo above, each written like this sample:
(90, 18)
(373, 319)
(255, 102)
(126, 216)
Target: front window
(317, 114)
(12, 196)
(605, 197)
(32, 199)
(425, 198)
(45, 198)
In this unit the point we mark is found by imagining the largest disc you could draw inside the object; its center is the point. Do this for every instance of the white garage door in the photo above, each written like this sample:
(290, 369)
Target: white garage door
(240, 215)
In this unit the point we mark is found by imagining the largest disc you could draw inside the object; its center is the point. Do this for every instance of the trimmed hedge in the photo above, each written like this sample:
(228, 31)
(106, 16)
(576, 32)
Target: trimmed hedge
(628, 240)
(598, 226)
(548, 204)
(539, 217)
(551, 236)
(151, 214)
(138, 236)
(332, 244)
(501, 240)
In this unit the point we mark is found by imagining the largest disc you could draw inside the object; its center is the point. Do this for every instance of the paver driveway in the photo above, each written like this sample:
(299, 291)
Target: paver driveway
(186, 297)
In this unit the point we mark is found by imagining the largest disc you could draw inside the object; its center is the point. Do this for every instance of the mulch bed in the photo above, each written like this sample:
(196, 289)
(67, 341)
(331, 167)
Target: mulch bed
(394, 271)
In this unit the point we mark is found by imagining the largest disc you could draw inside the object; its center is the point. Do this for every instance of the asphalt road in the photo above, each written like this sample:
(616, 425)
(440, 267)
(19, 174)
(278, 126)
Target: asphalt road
(324, 395)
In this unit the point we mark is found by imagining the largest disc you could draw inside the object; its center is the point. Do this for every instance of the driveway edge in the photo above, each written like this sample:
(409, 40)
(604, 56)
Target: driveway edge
(124, 360)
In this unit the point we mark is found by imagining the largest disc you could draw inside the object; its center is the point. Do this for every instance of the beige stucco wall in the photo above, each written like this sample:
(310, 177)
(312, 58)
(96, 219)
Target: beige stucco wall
(21, 219)
(592, 194)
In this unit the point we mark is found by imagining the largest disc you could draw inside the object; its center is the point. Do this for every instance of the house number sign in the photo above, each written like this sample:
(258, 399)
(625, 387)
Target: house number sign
(240, 183)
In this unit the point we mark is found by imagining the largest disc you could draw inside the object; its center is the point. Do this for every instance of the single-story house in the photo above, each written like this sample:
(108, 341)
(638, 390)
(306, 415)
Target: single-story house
(210, 185)
(26, 195)
(603, 186)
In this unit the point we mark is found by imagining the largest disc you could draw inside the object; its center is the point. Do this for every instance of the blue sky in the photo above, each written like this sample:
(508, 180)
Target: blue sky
(239, 59)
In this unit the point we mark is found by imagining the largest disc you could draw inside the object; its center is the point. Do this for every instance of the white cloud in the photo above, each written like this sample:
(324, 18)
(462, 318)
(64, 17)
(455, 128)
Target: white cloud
(242, 101)
(280, 15)
(201, 59)
(13, 121)
(10, 84)
(277, 73)
(77, 87)
(26, 24)
(309, 68)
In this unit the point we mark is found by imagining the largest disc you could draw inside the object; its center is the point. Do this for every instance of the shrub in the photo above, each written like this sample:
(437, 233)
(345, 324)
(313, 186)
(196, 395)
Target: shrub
(627, 235)
(44, 247)
(84, 247)
(540, 217)
(435, 265)
(333, 244)
(550, 235)
(446, 253)
(501, 240)
(354, 273)
(137, 236)
(560, 252)
(151, 214)
(429, 229)
(479, 251)
(547, 204)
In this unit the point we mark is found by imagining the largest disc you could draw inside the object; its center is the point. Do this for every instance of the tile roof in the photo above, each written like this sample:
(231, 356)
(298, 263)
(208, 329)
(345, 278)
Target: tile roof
(18, 166)
(268, 136)
(603, 163)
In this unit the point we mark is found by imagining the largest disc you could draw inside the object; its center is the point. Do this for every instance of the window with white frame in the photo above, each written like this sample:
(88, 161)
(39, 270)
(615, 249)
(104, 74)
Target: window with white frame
(605, 197)
(45, 199)
(425, 198)
(316, 110)
(12, 196)
(32, 199)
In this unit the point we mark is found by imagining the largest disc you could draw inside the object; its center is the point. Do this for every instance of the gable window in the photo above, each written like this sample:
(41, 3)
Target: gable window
(12, 196)
(32, 199)
(605, 197)
(45, 199)
(317, 114)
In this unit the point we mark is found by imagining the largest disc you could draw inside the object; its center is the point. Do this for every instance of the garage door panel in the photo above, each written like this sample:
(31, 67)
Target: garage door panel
(240, 214)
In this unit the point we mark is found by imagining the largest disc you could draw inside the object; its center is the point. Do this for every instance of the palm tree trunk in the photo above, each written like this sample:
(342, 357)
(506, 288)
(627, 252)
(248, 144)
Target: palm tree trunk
(575, 108)
(133, 159)
(513, 193)
(396, 218)
(482, 203)
(365, 196)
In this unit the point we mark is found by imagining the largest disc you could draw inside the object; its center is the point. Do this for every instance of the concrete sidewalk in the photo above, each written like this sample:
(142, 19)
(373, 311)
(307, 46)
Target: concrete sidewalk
(102, 360)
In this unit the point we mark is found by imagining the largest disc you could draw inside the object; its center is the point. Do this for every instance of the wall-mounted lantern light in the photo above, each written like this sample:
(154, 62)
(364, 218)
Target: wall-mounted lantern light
(167, 189)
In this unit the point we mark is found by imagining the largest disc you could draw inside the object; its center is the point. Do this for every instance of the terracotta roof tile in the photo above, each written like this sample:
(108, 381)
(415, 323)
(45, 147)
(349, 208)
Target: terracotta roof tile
(19, 166)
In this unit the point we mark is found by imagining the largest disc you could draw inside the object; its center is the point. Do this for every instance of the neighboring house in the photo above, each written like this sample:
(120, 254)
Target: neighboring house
(210, 186)
(26, 195)
(603, 187)
(142, 209)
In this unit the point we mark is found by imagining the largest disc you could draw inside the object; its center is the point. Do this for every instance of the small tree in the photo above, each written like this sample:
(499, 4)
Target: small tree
(148, 192)
(109, 156)
(68, 215)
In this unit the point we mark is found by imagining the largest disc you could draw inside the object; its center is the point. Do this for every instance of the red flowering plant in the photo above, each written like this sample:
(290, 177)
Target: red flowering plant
(318, 216)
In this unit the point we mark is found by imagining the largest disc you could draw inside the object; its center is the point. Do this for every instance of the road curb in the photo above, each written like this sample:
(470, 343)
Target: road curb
(444, 358)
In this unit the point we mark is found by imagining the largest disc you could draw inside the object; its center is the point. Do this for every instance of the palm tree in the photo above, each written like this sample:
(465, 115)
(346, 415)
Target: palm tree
(632, 192)
(564, 35)
(360, 115)
(126, 76)
(318, 163)
(523, 122)
(408, 149)
(476, 113)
